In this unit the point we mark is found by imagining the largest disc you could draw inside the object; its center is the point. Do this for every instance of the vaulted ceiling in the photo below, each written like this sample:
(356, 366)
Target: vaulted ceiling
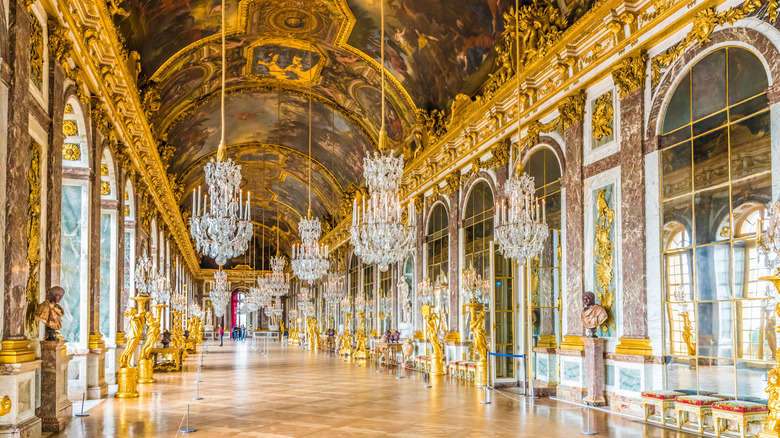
(282, 57)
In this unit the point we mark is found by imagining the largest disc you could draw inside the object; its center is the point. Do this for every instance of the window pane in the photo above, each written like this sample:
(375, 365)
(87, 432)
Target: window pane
(675, 137)
(747, 76)
(712, 215)
(746, 196)
(676, 170)
(751, 146)
(715, 329)
(749, 107)
(716, 376)
(709, 85)
(678, 223)
(713, 272)
(710, 159)
(678, 113)
(710, 123)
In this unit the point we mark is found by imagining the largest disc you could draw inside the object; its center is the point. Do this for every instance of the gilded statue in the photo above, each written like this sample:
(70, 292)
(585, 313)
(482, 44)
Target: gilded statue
(769, 331)
(687, 334)
(50, 312)
(346, 338)
(136, 323)
(478, 330)
(152, 334)
(432, 323)
(281, 330)
(592, 315)
(603, 256)
(772, 423)
(360, 337)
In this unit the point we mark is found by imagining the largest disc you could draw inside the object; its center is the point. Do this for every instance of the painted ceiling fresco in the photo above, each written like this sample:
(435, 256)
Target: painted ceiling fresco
(324, 49)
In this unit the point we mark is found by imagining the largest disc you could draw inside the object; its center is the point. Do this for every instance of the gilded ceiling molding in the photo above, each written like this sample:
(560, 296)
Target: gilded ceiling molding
(98, 48)
(630, 73)
(704, 22)
(206, 98)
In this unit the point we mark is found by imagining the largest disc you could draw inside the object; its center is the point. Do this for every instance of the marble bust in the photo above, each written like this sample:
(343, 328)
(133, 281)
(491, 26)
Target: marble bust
(50, 313)
(592, 315)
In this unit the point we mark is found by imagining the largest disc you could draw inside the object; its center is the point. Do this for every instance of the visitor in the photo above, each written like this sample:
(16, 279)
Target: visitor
(221, 333)
(243, 332)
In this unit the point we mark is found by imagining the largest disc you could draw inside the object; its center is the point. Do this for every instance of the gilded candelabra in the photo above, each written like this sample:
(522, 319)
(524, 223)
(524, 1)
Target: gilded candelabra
(432, 326)
(145, 365)
(310, 337)
(128, 375)
(346, 338)
(477, 312)
(361, 351)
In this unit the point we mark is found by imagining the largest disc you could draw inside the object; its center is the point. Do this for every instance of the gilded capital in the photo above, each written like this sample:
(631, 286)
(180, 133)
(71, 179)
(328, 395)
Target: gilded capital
(630, 74)
(572, 108)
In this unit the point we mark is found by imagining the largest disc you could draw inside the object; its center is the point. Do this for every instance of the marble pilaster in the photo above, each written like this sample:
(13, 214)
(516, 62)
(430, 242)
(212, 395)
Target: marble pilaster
(93, 242)
(121, 301)
(15, 346)
(572, 185)
(634, 305)
(454, 260)
(52, 259)
(418, 261)
(56, 409)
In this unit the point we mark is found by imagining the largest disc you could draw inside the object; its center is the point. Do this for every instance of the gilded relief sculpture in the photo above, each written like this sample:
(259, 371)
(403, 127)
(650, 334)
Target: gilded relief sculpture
(603, 249)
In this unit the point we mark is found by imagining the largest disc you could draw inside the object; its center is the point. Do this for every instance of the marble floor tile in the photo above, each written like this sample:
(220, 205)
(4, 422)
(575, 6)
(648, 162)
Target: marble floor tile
(298, 393)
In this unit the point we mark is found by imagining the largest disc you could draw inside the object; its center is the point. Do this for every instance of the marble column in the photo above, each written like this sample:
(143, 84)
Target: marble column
(419, 251)
(15, 345)
(121, 298)
(634, 337)
(395, 309)
(573, 192)
(454, 260)
(52, 259)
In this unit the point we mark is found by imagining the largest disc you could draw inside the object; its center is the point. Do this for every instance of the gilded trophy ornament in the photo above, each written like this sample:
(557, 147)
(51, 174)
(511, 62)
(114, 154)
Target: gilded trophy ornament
(603, 116)
(603, 249)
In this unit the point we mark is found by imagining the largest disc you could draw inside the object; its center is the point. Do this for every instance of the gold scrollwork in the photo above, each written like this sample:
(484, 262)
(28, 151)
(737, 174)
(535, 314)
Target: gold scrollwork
(603, 257)
(71, 152)
(103, 169)
(36, 51)
(630, 75)
(68, 109)
(704, 23)
(603, 116)
(33, 234)
(105, 188)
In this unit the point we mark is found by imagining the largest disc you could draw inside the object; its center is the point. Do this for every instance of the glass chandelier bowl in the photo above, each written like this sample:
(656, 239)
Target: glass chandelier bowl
(768, 242)
(475, 289)
(220, 292)
(278, 280)
(378, 231)
(310, 258)
(520, 222)
(145, 277)
(178, 302)
(426, 293)
(346, 305)
(162, 288)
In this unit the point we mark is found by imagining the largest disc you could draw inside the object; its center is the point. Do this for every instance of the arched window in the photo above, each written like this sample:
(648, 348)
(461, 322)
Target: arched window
(478, 228)
(74, 225)
(438, 244)
(108, 256)
(354, 285)
(368, 292)
(715, 163)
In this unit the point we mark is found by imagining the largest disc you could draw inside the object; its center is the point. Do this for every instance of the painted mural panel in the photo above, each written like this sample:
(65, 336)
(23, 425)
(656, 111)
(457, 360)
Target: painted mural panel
(285, 60)
(71, 253)
(157, 29)
(604, 253)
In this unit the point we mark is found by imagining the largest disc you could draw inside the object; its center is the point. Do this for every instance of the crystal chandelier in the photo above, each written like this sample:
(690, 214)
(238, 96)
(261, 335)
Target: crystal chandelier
(426, 292)
(220, 292)
(196, 311)
(378, 232)
(278, 281)
(144, 276)
(223, 227)
(520, 222)
(768, 242)
(360, 303)
(475, 289)
(310, 258)
(162, 288)
(305, 302)
(346, 305)
(333, 288)
(178, 302)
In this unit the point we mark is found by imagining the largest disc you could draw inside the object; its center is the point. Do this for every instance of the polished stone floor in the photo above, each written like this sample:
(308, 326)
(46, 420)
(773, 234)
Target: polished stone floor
(295, 393)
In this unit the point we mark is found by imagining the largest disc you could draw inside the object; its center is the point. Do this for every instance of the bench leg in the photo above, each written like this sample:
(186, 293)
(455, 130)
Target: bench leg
(680, 418)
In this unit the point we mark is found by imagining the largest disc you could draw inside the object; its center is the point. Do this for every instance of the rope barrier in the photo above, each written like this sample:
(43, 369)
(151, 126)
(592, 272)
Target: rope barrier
(505, 355)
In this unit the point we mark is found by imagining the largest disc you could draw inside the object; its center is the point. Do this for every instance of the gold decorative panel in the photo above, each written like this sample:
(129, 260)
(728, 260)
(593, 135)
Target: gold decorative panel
(36, 51)
(105, 188)
(69, 127)
(71, 152)
(103, 170)
(603, 118)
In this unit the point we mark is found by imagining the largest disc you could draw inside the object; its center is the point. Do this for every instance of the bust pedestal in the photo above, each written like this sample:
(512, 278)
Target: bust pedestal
(594, 370)
(56, 409)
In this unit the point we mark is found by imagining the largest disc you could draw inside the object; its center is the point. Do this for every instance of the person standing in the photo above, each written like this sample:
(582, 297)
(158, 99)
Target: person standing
(221, 333)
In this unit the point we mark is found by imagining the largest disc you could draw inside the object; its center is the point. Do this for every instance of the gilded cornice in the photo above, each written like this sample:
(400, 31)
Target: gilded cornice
(97, 49)
(239, 276)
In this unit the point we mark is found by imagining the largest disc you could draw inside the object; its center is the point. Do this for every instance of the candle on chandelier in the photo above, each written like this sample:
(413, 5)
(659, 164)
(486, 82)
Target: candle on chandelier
(247, 206)
(544, 210)
(354, 211)
(758, 230)
(537, 208)
(199, 196)
(194, 212)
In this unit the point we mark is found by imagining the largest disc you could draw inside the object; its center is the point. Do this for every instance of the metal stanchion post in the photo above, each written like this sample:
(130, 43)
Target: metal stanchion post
(197, 391)
(426, 380)
(187, 429)
(82, 414)
(485, 395)
(587, 430)
(400, 374)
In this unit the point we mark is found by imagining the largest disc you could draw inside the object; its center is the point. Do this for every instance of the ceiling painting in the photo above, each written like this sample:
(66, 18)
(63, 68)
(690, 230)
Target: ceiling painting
(285, 60)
